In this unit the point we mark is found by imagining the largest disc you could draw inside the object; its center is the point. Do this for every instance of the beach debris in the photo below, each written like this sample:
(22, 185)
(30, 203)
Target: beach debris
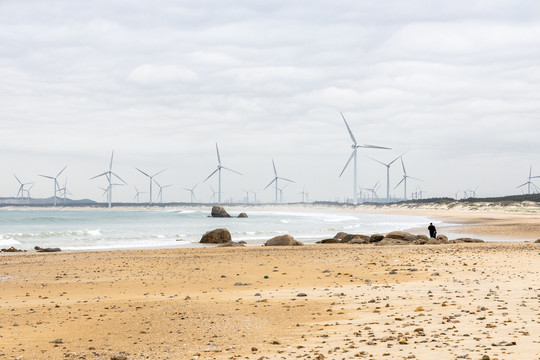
(219, 211)
(283, 240)
(40, 249)
(217, 236)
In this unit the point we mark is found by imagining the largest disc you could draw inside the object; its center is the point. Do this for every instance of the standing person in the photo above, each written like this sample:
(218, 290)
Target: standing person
(432, 231)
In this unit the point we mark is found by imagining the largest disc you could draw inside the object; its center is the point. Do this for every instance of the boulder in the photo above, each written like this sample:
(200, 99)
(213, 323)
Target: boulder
(340, 235)
(349, 237)
(391, 241)
(329, 241)
(232, 244)
(40, 249)
(217, 236)
(219, 211)
(242, 215)
(283, 240)
(443, 239)
(361, 240)
(466, 240)
(400, 235)
(537, 241)
(12, 249)
(376, 238)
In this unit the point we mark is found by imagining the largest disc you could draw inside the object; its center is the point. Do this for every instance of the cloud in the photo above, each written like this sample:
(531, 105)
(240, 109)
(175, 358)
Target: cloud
(152, 75)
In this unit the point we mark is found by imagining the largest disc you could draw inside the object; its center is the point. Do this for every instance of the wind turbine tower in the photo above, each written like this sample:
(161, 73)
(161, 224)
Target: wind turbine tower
(276, 178)
(55, 180)
(192, 192)
(218, 170)
(529, 182)
(160, 193)
(21, 187)
(109, 175)
(355, 147)
(404, 179)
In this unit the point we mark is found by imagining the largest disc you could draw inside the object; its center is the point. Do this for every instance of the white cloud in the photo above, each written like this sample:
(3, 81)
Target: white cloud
(148, 74)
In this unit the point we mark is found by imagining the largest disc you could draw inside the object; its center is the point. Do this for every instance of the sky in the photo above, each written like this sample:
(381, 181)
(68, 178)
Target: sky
(455, 85)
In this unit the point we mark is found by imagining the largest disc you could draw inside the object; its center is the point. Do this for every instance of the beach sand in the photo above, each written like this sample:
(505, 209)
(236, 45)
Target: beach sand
(455, 301)
(408, 302)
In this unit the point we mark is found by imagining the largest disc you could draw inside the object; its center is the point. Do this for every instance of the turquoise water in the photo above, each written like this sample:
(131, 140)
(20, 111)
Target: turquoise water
(102, 229)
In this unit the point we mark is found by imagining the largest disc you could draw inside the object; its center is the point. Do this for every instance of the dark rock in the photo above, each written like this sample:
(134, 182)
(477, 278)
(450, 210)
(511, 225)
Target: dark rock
(400, 235)
(217, 236)
(301, 295)
(283, 240)
(329, 241)
(12, 249)
(219, 211)
(537, 241)
(466, 240)
(340, 235)
(360, 240)
(391, 241)
(242, 215)
(376, 238)
(231, 244)
(349, 237)
(40, 249)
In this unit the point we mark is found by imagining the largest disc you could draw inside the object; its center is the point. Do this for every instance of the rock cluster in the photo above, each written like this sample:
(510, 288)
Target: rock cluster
(394, 238)
(12, 249)
(40, 249)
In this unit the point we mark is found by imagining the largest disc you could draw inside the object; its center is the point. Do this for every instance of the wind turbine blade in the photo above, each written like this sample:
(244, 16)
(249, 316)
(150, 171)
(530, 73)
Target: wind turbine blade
(218, 157)
(17, 179)
(105, 173)
(349, 129)
(157, 183)
(143, 172)
(209, 176)
(403, 166)
(46, 176)
(119, 178)
(271, 182)
(373, 147)
(347, 164)
(197, 185)
(285, 179)
(410, 177)
(61, 171)
(399, 183)
(159, 172)
(223, 167)
(110, 166)
(391, 162)
(380, 162)
(517, 187)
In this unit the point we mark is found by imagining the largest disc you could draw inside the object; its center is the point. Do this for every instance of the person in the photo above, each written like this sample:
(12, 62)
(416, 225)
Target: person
(432, 231)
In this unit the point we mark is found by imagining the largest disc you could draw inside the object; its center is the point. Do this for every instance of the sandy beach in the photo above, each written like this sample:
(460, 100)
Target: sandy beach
(452, 301)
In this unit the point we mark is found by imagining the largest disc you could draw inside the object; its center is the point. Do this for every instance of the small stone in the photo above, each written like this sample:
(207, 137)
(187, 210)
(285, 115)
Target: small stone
(301, 295)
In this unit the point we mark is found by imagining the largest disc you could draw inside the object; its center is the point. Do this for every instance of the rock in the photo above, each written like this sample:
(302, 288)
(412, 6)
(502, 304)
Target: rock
(40, 249)
(400, 235)
(283, 240)
(349, 237)
(329, 241)
(361, 240)
(391, 241)
(12, 249)
(537, 241)
(466, 240)
(301, 295)
(376, 238)
(219, 211)
(119, 358)
(217, 236)
(232, 244)
(443, 239)
(242, 215)
(340, 235)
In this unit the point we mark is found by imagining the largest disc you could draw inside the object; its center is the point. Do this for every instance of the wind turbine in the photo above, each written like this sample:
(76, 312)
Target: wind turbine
(473, 192)
(213, 197)
(151, 178)
(303, 192)
(160, 193)
(529, 182)
(255, 195)
(276, 178)
(373, 191)
(192, 192)
(355, 147)
(55, 179)
(281, 193)
(28, 191)
(218, 170)
(21, 187)
(247, 195)
(109, 175)
(387, 174)
(137, 195)
(404, 179)
(64, 191)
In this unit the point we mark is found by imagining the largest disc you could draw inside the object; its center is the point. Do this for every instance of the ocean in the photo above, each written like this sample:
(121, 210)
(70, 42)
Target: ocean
(102, 229)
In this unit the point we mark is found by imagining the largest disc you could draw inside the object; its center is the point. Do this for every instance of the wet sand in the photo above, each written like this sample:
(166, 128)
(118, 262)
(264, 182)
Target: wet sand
(458, 301)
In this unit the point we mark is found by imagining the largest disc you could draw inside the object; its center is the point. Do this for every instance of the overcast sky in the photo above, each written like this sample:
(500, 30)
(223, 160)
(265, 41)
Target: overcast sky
(455, 84)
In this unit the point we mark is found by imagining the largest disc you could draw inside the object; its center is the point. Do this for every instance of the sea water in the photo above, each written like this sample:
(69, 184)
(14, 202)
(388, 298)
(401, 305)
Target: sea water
(101, 229)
